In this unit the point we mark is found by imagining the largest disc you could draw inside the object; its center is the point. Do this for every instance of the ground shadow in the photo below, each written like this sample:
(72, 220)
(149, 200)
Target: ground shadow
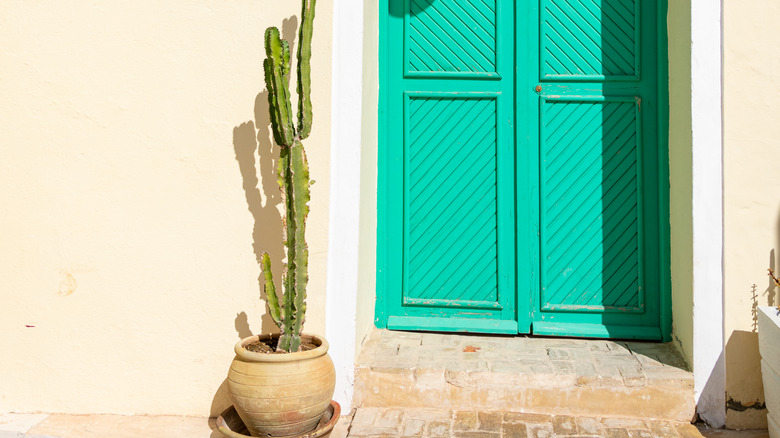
(745, 391)
(664, 354)
(713, 398)
(221, 400)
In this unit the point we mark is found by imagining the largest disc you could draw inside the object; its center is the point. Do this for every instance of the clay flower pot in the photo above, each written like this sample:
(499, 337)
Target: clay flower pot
(281, 394)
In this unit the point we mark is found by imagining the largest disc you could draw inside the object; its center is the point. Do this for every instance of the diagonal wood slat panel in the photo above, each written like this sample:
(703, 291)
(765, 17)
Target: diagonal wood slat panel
(453, 36)
(590, 38)
(450, 202)
(590, 186)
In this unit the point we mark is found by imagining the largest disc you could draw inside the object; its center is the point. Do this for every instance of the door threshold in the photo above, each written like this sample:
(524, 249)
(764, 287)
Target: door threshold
(524, 373)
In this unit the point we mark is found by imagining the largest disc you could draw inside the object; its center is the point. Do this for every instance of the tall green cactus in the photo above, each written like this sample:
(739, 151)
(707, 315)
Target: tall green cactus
(292, 175)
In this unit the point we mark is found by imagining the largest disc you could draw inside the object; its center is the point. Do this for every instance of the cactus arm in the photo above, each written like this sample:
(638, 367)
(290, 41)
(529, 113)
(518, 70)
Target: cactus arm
(297, 199)
(286, 61)
(277, 81)
(283, 178)
(268, 67)
(299, 170)
(270, 290)
(304, 68)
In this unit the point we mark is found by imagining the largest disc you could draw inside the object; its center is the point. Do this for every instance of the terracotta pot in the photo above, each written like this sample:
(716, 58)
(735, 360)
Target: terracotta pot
(281, 394)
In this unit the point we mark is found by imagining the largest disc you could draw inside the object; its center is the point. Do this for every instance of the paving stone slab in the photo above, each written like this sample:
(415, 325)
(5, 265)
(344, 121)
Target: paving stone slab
(443, 423)
(489, 421)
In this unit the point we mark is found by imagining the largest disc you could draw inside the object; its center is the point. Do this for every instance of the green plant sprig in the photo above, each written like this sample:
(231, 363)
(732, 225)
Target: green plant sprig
(777, 282)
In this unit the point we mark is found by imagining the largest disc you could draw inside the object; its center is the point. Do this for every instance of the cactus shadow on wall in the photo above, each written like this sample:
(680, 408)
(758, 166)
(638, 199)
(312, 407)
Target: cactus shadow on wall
(289, 33)
(257, 156)
(242, 326)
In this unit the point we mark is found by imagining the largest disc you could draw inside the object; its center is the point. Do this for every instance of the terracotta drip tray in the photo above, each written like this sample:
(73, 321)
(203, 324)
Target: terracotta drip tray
(230, 424)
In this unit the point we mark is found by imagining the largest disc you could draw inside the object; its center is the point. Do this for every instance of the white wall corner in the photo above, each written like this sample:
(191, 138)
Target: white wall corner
(707, 174)
(342, 283)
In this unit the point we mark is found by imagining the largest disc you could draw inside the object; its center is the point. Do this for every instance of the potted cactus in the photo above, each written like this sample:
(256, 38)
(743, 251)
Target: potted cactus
(281, 384)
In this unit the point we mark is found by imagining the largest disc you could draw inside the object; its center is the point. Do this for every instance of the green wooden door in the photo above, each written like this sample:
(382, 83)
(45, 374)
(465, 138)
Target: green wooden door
(521, 168)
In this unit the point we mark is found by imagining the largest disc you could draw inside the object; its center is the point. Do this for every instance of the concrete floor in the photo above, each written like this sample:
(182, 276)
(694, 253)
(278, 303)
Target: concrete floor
(368, 423)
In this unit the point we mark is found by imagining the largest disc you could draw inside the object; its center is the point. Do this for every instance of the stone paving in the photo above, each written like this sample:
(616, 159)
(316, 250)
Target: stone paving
(529, 374)
(366, 422)
(438, 423)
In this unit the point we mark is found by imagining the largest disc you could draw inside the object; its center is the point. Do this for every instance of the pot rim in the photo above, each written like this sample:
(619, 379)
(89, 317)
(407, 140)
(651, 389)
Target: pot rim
(251, 356)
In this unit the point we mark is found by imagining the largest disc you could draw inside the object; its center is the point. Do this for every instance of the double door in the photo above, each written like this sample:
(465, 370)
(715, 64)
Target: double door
(522, 162)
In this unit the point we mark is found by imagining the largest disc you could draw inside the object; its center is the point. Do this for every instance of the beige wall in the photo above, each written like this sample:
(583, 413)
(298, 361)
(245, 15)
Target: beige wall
(131, 211)
(752, 191)
(366, 299)
(680, 164)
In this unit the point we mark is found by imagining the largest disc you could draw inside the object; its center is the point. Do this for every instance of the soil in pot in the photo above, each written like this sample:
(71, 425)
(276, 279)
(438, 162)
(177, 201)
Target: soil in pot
(269, 346)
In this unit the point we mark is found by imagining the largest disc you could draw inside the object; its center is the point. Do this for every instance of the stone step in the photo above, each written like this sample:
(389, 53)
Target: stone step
(524, 374)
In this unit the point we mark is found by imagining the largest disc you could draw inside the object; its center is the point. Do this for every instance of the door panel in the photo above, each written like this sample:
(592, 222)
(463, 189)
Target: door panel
(590, 40)
(450, 143)
(451, 202)
(451, 38)
(591, 206)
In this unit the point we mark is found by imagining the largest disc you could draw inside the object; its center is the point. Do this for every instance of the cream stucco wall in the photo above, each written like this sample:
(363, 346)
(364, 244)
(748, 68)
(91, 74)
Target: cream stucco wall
(366, 299)
(751, 192)
(132, 214)
(680, 163)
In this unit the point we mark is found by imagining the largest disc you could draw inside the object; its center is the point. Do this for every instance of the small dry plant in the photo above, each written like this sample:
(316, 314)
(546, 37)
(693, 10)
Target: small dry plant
(777, 282)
